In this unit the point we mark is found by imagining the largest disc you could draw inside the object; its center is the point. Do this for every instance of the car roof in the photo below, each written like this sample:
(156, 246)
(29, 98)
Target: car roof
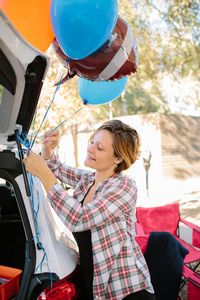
(22, 72)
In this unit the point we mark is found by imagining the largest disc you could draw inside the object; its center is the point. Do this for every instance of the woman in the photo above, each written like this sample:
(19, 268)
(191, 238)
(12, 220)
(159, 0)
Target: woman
(101, 213)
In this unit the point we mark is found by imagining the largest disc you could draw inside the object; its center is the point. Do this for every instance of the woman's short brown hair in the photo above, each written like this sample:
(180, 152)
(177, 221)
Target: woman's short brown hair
(126, 142)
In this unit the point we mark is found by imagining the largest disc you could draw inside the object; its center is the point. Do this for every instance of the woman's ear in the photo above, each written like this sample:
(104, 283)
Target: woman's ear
(118, 160)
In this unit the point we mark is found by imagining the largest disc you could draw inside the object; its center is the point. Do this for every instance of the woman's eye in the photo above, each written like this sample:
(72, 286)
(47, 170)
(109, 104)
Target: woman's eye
(99, 148)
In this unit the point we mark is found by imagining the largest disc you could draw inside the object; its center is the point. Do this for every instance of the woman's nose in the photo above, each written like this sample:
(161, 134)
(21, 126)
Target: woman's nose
(90, 147)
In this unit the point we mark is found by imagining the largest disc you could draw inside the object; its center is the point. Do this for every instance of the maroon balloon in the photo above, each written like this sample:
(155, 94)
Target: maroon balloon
(115, 59)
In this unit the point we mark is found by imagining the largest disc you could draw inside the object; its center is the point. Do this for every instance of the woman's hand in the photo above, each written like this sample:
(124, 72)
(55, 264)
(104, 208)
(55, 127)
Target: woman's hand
(51, 141)
(36, 165)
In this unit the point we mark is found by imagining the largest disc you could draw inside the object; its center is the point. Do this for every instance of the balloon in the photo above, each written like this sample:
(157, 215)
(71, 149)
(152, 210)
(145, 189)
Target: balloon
(100, 92)
(81, 27)
(31, 18)
(2, 2)
(117, 58)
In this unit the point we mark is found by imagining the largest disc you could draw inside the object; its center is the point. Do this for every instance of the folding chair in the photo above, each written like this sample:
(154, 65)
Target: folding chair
(167, 218)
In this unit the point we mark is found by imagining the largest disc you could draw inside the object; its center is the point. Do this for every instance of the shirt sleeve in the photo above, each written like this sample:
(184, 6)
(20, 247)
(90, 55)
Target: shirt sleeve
(117, 199)
(65, 173)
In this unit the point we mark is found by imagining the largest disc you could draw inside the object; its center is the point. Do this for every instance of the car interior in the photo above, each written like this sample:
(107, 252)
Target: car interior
(12, 250)
(22, 71)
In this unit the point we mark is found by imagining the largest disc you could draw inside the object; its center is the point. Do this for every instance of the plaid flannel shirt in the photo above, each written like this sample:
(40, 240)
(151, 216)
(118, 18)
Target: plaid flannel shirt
(119, 266)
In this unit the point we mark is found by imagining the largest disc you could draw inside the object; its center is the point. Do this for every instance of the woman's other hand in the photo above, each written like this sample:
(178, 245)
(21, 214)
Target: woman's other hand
(51, 141)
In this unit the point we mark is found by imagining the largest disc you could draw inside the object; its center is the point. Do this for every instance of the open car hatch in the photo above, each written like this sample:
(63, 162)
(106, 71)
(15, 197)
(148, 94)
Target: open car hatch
(22, 71)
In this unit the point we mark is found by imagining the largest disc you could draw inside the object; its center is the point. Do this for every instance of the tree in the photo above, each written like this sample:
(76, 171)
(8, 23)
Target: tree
(169, 57)
(173, 28)
(180, 27)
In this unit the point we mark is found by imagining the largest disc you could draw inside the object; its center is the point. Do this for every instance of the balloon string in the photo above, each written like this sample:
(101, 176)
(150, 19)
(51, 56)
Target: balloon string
(59, 125)
(35, 206)
(45, 115)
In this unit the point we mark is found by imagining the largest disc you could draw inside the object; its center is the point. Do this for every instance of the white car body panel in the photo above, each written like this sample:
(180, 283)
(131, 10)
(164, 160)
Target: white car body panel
(59, 259)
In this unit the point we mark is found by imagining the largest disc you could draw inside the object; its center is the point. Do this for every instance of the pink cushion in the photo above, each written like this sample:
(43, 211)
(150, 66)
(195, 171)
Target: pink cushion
(159, 218)
(139, 229)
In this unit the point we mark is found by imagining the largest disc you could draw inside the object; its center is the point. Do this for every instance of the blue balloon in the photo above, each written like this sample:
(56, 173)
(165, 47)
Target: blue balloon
(100, 92)
(83, 26)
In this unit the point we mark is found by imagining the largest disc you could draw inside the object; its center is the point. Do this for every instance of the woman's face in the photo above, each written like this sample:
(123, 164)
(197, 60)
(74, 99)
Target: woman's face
(100, 153)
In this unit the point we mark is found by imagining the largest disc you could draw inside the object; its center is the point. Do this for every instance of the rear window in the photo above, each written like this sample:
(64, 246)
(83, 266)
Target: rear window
(7, 74)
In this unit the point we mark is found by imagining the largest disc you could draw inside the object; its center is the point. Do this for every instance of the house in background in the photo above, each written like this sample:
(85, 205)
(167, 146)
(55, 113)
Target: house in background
(174, 143)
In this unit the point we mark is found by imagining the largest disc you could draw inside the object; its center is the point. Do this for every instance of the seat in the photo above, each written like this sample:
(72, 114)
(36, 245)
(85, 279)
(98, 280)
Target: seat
(167, 218)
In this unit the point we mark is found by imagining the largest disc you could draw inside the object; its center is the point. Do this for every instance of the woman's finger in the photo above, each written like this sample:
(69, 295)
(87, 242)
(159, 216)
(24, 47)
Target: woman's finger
(51, 134)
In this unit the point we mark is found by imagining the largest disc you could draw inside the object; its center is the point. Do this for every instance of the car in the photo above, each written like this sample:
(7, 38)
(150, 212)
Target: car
(33, 240)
